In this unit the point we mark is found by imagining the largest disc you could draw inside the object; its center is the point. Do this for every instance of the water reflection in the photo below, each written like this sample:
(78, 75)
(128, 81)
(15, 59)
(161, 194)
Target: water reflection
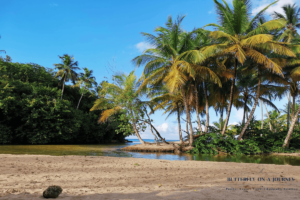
(114, 151)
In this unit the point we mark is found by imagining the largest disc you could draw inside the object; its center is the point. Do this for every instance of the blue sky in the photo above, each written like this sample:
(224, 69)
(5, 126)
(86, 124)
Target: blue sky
(101, 32)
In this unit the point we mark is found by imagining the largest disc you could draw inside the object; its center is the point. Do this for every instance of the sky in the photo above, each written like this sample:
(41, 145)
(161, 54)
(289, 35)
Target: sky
(104, 35)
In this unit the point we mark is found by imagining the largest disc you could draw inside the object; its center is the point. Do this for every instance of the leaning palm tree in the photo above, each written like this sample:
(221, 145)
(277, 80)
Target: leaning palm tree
(171, 104)
(239, 38)
(87, 80)
(166, 64)
(66, 70)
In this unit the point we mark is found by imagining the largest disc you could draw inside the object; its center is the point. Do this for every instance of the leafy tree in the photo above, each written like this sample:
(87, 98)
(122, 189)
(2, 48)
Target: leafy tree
(31, 111)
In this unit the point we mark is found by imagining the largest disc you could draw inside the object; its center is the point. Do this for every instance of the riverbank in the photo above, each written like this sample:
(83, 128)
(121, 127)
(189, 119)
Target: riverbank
(26, 176)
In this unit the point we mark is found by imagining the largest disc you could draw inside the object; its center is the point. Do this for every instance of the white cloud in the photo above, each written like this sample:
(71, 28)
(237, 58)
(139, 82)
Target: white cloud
(163, 128)
(258, 5)
(142, 46)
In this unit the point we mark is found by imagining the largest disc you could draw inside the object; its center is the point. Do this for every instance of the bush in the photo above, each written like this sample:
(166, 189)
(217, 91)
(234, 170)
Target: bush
(214, 143)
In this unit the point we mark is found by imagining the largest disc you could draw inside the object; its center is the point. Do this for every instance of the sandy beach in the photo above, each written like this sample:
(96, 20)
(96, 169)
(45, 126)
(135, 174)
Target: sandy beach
(83, 178)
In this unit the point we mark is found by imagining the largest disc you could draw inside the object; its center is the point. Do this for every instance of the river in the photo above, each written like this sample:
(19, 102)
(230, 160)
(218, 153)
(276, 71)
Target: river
(114, 151)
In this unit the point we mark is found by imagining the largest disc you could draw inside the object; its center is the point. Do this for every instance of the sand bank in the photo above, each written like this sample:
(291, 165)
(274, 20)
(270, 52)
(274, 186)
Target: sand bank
(26, 176)
(161, 147)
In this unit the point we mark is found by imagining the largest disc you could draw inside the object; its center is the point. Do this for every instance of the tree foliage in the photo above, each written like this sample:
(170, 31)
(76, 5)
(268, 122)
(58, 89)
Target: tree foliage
(31, 111)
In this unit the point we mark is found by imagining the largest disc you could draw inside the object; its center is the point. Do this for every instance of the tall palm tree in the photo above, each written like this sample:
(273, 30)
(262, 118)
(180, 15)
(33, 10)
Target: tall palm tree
(66, 70)
(166, 64)
(239, 38)
(87, 79)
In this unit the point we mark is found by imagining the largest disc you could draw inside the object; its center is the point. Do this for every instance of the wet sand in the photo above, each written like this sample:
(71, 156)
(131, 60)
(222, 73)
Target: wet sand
(27, 176)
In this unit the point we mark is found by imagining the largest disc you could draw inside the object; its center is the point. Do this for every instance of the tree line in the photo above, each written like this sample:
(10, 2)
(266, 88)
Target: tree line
(37, 107)
(245, 61)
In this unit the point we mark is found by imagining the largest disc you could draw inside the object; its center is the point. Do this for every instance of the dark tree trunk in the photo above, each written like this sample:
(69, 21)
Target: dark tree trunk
(245, 108)
(288, 112)
(286, 142)
(254, 106)
(268, 117)
(262, 115)
(206, 107)
(81, 97)
(62, 91)
(293, 108)
(230, 98)
(222, 118)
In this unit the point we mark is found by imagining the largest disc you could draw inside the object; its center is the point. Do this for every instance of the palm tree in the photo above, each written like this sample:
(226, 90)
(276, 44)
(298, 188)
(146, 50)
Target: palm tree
(66, 70)
(167, 64)
(239, 37)
(121, 97)
(291, 15)
(87, 79)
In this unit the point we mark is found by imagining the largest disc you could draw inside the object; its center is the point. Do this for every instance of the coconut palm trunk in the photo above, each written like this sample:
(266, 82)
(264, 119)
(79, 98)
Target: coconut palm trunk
(81, 97)
(230, 97)
(135, 129)
(197, 110)
(191, 139)
(293, 106)
(156, 139)
(286, 142)
(206, 107)
(221, 118)
(152, 127)
(245, 108)
(157, 133)
(179, 125)
(63, 87)
(254, 106)
(271, 129)
(288, 112)
(262, 115)
(137, 133)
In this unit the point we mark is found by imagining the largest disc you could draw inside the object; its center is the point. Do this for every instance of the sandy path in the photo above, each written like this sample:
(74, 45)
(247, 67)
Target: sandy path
(27, 176)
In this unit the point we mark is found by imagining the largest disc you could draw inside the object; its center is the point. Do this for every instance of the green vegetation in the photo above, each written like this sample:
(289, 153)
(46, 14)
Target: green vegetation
(245, 62)
(32, 111)
(261, 141)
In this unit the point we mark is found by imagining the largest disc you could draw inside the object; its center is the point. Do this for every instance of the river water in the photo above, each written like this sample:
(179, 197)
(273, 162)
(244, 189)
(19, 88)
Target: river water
(114, 150)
